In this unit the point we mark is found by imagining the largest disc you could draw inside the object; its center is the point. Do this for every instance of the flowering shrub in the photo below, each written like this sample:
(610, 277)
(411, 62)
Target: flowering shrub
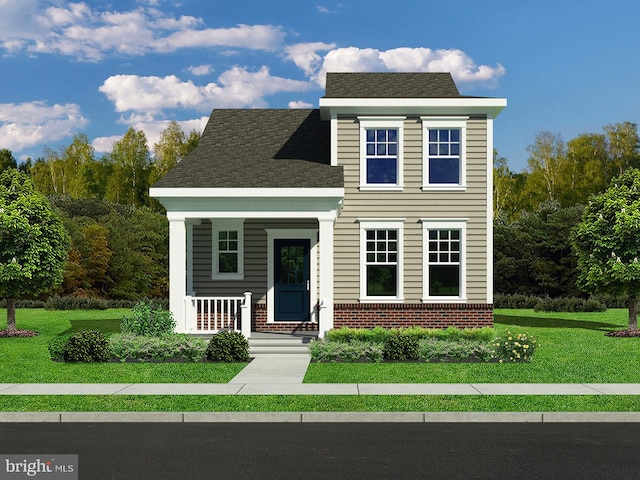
(513, 347)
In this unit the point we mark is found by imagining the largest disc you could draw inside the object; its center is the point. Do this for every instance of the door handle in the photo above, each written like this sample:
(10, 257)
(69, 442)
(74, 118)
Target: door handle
(308, 285)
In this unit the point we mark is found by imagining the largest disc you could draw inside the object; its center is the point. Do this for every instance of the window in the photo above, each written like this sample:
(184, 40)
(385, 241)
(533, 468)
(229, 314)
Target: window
(381, 260)
(444, 263)
(228, 249)
(381, 153)
(444, 153)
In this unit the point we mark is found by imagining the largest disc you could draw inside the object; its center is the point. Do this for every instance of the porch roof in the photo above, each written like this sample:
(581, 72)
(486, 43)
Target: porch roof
(269, 148)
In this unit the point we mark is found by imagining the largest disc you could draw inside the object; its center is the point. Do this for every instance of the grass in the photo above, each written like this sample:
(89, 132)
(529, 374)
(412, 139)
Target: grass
(573, 350)
(319, 403)
(26, 360)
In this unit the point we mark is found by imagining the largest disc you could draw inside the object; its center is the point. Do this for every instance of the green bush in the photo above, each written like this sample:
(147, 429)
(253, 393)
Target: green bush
(56, 346)
(400, 345)
(87, 346)
(450, 350)
(513, 347)
(570, 304)
(515, 301)
(148, 318)
(380, 335)
(75, 303)
(130, 346)
(228, 347)
(331, 351)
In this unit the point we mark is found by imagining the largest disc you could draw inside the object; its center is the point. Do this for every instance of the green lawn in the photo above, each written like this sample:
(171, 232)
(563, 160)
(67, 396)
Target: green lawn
(573, 350)
(26, 360)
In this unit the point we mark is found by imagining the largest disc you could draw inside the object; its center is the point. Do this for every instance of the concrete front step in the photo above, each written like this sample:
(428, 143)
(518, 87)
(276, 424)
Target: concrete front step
(278, 345)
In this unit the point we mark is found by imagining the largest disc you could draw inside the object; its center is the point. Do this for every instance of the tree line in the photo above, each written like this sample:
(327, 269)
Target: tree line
(118, 235)
(536, 211)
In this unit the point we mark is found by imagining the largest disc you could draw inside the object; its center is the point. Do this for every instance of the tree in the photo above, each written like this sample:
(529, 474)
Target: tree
(130, 163)
(7, 160)
(607, 242)
(546, 158)
(33, 243)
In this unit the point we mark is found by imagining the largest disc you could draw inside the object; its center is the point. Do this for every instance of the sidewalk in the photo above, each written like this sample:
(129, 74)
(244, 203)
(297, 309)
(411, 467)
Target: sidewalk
(284, 374)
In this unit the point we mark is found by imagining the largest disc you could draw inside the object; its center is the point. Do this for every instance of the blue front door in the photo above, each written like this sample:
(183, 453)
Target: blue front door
(292, 280)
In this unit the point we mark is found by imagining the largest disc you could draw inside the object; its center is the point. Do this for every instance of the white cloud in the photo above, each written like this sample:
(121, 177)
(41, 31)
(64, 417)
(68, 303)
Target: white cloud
(105, 144)
(306, 56)
(300, 104)
(26, 125)
(236, 87)
(353, 59)
(200, 70)
(76, 30)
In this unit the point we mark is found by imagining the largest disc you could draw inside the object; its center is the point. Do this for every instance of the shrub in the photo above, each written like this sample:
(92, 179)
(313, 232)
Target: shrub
(148, 318)
(515, 301)
(513, 347)
(400, 345)
(130, 346)
(228, 347)
(75, 303)
(331, 351)
(56, 346)
(87, 346)
(447, 350)
(570, 304)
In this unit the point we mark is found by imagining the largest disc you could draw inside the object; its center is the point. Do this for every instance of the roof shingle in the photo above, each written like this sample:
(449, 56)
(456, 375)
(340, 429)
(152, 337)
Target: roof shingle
(391, 85)
(241, 148)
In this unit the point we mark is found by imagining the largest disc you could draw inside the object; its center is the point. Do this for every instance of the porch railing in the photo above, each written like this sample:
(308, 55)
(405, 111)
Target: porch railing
(206, 315)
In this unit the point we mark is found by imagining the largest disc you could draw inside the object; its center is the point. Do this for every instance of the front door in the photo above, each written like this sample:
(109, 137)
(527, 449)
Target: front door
(292, 280)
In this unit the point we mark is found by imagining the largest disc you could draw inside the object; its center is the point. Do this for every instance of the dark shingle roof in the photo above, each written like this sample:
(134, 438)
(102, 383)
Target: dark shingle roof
(390, 85)
(276, 148)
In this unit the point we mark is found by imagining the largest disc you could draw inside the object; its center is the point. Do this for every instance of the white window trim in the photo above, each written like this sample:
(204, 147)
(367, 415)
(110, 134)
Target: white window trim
(225, 225)
(381, 224)
(444, 224)
(429, 123)
(386, 123)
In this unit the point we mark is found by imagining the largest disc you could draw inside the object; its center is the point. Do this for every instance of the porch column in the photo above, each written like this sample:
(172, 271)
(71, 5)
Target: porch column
(325, 312)
(178, 271)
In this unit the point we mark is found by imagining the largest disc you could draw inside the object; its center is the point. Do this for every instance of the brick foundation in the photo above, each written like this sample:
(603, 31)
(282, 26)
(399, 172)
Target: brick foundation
(369, 315)
(388, 315)
(259, 323)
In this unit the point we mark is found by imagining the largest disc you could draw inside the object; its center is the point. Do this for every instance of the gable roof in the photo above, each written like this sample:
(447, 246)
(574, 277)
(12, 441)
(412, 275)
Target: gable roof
(241, 148)
(391, 85)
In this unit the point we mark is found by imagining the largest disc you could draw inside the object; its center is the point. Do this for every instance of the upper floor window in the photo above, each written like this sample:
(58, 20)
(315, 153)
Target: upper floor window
(228, 250)
(381, 153)
(444, 165)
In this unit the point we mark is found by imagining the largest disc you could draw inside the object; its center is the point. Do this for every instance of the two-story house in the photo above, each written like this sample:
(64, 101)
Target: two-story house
(375, 209)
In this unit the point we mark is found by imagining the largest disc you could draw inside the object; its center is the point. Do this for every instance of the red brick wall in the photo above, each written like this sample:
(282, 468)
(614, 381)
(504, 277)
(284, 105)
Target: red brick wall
(369, 315)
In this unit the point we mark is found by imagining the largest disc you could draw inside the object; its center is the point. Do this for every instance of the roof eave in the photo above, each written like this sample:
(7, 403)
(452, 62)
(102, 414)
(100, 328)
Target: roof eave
(491, 107)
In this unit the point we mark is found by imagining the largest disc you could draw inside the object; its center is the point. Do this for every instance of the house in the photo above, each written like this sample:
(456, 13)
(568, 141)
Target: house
(375, 209)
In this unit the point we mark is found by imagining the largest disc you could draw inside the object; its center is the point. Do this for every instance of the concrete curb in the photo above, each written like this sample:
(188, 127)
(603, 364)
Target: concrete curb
(317, 417)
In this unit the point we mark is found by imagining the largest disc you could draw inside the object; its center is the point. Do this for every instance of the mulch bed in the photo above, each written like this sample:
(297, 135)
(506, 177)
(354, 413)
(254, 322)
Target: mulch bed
(18, 333)
(623, 333)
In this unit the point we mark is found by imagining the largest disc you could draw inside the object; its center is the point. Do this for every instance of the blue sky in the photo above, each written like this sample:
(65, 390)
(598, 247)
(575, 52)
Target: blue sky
(100, 67)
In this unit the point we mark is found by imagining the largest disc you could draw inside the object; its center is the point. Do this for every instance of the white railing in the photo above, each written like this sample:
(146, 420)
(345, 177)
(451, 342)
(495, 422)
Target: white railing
(211, 314)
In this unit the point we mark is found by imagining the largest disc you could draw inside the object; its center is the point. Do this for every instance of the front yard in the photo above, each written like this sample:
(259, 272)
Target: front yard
(573, 350)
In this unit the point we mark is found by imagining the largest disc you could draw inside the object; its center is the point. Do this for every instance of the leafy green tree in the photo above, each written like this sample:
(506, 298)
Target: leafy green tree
(546, 158)
(33, 242)
(7, 160)
(130, 166)
(607, 242)
(623, 144)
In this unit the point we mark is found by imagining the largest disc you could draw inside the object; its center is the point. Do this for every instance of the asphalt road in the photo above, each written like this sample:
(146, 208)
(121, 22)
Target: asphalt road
(335, 450)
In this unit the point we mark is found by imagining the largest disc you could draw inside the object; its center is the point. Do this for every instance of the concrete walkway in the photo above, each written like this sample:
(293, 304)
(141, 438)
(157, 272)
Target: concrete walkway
(239, 387)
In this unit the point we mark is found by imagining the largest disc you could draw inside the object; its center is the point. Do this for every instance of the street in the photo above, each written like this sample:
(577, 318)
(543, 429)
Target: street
(334, 450)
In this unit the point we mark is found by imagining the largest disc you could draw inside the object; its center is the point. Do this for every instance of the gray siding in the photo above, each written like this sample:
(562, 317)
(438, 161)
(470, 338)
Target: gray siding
(412, 204)
(255, 259)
